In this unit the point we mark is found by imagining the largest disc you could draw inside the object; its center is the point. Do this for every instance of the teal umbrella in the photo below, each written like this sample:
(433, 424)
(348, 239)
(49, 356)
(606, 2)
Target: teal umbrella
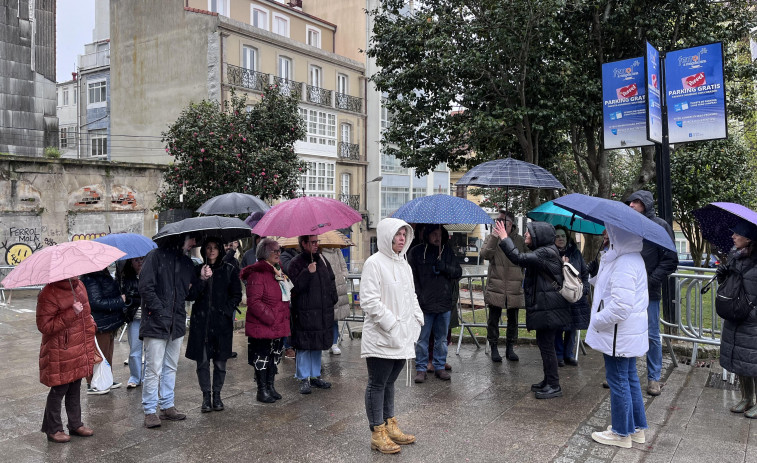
(552, 213)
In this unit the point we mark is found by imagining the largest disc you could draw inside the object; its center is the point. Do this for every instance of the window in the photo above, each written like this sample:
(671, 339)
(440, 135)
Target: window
(318, 180)
(285, 68)
(313, 36)
(99, 141)
(392, 198)
(249, 58)
(65, 96)
(321, 126)
(76, 95)
(346, 133)
(341, 84)
(219, 6)
(682, 244)
(419, 191)
(386, 119)
(259, 17)
(97, 93)
(390, 164)
(64, 137)
(60, 97)
(280, 25)
(345, 184)
(316, 76)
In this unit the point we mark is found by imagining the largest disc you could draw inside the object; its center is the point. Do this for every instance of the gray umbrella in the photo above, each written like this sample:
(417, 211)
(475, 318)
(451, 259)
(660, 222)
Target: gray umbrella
(225, 228)
(233, 203)
(510, 173)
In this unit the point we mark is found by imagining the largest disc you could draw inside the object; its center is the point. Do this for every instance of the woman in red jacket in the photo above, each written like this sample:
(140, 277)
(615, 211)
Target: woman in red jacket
(67, 354)
(267, 319)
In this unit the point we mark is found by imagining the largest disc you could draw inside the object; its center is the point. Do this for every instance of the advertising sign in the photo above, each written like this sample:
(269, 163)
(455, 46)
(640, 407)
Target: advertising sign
(624, 104)
(654, 97)
(695, 94)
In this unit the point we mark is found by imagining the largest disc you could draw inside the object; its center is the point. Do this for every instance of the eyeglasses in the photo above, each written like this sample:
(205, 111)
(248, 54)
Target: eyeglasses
(276, 251)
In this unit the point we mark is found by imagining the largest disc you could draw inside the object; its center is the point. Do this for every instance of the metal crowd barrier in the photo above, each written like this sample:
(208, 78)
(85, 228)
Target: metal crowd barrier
(4, 270)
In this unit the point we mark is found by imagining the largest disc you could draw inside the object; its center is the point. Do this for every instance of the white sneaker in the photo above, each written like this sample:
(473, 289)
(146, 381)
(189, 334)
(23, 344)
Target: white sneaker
(93, 391)
(115, 385)
(637, 437)
(336, 350)
(610, 438)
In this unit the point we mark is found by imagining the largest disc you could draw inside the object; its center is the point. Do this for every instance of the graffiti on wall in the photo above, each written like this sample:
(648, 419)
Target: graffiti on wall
(91, 225)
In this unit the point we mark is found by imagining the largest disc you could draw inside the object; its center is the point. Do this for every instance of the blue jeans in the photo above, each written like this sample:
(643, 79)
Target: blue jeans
(161, 360)
(136, 370)
(626, 402)
(565, 344)
(438, 323)
(308, 364)
(336, 332)
(654, 354)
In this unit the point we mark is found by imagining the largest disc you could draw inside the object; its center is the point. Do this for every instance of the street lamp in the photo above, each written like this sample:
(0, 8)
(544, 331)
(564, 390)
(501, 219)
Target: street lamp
(367, 214)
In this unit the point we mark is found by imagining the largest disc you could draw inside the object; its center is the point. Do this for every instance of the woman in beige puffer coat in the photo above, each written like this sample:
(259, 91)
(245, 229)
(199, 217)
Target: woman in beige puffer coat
(335, 258)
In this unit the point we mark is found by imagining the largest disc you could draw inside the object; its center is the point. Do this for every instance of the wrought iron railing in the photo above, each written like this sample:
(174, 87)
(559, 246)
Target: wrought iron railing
(288, 87)
(318, 95)
(351, 200)
(246, 78)
(349, 103)
(349, 151)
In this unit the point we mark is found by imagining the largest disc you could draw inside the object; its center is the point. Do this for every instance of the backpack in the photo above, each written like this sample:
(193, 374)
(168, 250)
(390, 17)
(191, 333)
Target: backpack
(732, 302)
(572, 288)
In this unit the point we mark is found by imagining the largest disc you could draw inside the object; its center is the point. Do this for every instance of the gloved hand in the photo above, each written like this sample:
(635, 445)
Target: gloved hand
(722, 273)
(440, 267)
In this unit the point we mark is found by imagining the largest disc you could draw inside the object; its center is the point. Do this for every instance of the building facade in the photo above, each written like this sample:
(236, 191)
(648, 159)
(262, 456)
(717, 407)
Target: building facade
(68, 126)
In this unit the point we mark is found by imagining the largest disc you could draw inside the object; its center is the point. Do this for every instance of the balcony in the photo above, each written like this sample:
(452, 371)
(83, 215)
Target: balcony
(288, 87)
(349, 103)
(246, 78)
(349, 151)
(94, 60)
(319, 96)
(351, 200)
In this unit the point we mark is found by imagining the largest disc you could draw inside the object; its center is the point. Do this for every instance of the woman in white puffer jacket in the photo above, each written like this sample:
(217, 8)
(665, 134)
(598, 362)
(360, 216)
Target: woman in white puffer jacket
(618, 329)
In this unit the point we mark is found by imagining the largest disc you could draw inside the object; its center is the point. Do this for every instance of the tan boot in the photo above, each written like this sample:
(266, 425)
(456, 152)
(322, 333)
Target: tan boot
(380, 440)
(396, 435)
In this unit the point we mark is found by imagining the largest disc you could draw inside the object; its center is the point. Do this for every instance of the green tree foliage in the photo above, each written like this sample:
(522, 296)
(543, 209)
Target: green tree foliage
(224, 148)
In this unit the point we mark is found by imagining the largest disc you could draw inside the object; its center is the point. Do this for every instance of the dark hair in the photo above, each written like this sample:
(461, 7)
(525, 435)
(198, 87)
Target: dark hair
(219, 244)
(303, 238)
(568, 235)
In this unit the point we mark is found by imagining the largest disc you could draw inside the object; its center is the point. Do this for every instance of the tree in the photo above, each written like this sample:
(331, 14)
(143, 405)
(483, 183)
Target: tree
(224, 148)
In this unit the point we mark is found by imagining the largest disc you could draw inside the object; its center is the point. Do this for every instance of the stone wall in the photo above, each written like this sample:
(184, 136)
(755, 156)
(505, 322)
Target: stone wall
(44, 202)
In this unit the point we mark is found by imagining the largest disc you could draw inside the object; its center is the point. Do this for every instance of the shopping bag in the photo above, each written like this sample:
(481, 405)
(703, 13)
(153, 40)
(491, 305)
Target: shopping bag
(102, 375)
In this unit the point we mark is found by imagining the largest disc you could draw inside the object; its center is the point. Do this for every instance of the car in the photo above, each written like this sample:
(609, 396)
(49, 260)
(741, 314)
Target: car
(685, 260)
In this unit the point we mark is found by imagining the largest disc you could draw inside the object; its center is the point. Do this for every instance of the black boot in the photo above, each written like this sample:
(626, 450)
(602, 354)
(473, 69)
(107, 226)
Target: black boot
(217, 403)
(510, 353)
(205, 402)
(495, 353)
(270, 376)
(264, 395)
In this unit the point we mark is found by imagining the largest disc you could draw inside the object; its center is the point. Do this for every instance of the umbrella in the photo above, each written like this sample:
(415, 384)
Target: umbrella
(330, 239)
(306, 215)
(442, 209)
(133, 244)
(717, 219)
(510, 173)
(62, 261)
(604, 212)
(233, 203)
(254, 218)
(224, 228)
(552, 213)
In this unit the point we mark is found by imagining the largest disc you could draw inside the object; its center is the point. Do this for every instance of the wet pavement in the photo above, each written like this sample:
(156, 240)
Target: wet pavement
(486, 413)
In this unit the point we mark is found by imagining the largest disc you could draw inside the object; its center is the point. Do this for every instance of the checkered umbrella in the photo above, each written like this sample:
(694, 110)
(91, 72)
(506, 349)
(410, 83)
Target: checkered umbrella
(510, 173)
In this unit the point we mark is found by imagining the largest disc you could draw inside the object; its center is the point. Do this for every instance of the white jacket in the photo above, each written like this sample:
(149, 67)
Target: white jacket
(393, 318)
(619, 312)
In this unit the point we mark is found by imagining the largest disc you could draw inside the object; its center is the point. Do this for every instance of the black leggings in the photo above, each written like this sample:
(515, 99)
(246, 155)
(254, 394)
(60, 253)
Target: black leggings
(379, 395)
(545, 339)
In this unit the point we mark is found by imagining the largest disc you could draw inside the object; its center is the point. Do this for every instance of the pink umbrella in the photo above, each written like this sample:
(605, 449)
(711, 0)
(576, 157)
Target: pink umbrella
(307, 215)
(62, 261)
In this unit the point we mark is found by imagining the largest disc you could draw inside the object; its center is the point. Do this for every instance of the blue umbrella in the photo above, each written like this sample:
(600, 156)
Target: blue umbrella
(133, 244)
(552, 213)
(442, 209)
(717, 219)
(607, 212)
(510, 173)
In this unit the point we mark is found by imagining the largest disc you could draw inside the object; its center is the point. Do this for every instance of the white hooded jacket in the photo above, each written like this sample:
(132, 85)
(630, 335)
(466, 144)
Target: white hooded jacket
(619, 311)
(393, 318)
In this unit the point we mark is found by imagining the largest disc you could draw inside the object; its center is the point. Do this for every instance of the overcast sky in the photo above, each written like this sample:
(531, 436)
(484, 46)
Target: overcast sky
(75, 21)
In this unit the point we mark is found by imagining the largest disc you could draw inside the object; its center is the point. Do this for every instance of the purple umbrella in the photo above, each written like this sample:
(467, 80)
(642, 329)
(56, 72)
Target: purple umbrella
(717, 219)
(254, 218)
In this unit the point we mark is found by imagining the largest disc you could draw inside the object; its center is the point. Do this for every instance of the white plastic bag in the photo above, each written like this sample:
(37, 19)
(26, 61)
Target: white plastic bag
(102, 375)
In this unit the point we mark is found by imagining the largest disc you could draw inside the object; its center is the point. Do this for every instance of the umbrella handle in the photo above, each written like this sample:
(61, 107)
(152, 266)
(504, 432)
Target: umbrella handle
(72, 290)
(707, 287)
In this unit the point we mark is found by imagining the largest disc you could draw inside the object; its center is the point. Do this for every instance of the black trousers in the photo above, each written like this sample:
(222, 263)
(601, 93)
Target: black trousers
(379, 395)
(492, 325)
(51, 420)
(545, 339)
(203, 373)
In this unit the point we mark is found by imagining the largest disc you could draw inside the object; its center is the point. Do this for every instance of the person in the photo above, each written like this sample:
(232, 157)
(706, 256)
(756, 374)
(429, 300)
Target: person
(67, 354)
(230, 255)
(267, 319)
(313, 299)
(128, 278)
(618, 329)
(393, 321)
(546, 310)
(738, 345)
(660, 263)
(109, 311)
(565, 339)
(286, 256)
(167, 279)
(504, 288)
(211, 323)
(335, 258)
(435, 273)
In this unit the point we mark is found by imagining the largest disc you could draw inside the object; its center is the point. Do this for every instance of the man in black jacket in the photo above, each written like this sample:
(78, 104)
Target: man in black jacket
(167, 280)
(435, 274)
(660, 263)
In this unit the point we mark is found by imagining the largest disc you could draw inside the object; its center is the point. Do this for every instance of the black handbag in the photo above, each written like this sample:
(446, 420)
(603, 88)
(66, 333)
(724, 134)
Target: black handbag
(732, 302)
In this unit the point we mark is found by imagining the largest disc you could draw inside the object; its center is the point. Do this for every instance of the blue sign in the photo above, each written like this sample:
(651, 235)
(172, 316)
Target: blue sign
(654, 100)
(695, 94)
(624, 104)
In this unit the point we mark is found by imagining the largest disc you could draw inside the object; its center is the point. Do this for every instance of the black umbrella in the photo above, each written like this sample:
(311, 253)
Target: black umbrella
(232, 204)
(224, 228)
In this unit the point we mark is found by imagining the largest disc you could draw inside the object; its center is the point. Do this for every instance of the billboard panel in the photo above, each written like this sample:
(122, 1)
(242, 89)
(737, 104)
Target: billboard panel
(654, 97)
(624, 104)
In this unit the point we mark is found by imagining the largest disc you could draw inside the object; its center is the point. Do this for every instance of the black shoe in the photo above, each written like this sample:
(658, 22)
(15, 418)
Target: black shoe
(510, 353)
(549, 392)
(269, 378)
(560, 363)
(264, 395)
(571, 362)
(539, 386)
(234, 355)
(205, 402)
(217, 403)
(305, 386)
(319, 383)
(496, 358)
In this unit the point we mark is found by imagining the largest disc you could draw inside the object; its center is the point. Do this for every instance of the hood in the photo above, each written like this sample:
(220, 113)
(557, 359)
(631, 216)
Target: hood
(221, 251)
(542, 234)
(431, 227)
(622, 241)
(646, 199)
(386, 230)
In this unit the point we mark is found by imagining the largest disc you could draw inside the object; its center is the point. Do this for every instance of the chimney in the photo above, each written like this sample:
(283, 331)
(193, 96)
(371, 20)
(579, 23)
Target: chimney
(74, 74)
